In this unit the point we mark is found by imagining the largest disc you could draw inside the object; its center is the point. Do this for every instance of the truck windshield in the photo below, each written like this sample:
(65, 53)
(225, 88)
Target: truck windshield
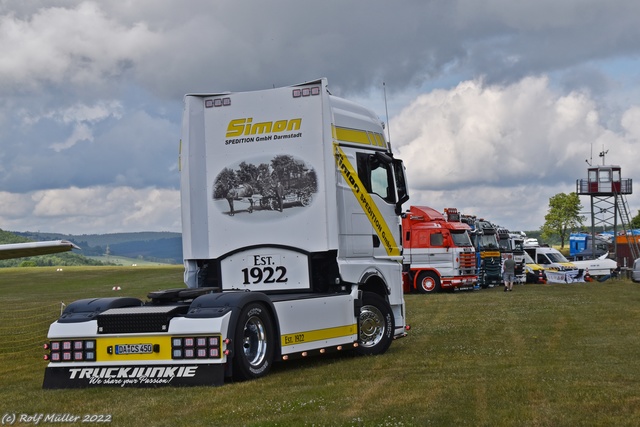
(487, 241)
(460, 238)
(556, 257)
(505, 244)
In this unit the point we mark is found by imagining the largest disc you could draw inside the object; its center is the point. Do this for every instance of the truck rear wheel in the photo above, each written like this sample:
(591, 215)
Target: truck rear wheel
(428, 282)
(375, 325)
(254, 343)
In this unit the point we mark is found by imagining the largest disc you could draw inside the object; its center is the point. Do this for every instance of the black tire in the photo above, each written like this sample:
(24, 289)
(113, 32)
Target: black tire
(428, 282)
(254, 343)
(375, 325)
(482, 279)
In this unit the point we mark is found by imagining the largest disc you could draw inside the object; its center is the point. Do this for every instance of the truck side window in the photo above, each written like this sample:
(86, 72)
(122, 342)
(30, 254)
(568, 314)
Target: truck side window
(437, 239)
(376, 176)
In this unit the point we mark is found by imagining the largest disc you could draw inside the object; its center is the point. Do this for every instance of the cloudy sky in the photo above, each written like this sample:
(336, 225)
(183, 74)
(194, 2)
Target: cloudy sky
(494, 104)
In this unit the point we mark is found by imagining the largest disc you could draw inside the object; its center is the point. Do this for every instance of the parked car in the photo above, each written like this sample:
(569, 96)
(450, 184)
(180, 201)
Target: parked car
(635, 274)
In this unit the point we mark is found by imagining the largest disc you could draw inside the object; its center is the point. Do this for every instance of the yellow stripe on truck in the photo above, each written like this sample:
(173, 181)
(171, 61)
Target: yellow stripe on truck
(318, 335)
(358, 136)
(366, 202)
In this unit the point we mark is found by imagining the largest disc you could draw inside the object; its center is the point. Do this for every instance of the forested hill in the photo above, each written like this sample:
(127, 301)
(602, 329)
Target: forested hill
(165, 247)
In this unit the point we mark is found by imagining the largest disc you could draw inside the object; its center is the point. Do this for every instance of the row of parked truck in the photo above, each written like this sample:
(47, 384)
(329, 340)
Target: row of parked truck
(449, 251)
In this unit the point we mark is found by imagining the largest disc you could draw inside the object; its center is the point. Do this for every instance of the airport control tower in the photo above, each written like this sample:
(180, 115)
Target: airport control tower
(607, 192)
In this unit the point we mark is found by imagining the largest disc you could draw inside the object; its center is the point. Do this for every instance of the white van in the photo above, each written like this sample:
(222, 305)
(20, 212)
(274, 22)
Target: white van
(635, 274)
(550, 258)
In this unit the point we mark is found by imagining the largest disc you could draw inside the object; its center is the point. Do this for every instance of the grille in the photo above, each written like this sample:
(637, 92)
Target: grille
(468, 260)
(132, 320)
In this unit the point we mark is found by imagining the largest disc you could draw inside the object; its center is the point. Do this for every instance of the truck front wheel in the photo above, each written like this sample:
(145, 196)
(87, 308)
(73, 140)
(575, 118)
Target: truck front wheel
(428, 282)
(375, 325)
(253, 343)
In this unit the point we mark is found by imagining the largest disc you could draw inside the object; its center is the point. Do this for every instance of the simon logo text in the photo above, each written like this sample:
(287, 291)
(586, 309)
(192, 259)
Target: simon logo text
(245, 127)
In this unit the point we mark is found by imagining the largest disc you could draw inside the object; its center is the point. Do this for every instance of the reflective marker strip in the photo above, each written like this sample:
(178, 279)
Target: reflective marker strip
(487, 254)
(366, 202)
(318, 335)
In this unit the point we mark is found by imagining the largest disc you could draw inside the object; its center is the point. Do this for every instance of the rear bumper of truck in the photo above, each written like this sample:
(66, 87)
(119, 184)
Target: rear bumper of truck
(137, 375)
(137, 346)
(459, 282)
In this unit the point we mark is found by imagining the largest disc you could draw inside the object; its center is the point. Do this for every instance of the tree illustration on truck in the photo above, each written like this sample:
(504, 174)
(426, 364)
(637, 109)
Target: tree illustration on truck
(281, 183)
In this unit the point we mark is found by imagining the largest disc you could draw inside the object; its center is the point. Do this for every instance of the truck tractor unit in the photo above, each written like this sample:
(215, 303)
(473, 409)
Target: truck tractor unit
(438, 254)
(488, 257)
(291, 217)
(517, 246)
(512, 244)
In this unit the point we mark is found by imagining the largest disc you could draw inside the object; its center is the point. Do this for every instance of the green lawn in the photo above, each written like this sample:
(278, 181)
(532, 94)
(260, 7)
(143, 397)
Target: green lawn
(542, 355)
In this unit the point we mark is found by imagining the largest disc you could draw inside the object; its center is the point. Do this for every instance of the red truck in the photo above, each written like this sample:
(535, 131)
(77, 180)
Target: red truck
(438, 253)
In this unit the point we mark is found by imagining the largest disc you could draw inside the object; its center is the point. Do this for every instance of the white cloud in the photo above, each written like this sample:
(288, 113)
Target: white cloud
(495, 101)
(505, 149)
(78, 45)
(631, 123)
(82, 117)
(81, 132)
(91, 210)
(14, 206)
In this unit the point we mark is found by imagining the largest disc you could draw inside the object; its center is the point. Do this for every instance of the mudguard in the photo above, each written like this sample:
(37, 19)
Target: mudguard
(218, 304)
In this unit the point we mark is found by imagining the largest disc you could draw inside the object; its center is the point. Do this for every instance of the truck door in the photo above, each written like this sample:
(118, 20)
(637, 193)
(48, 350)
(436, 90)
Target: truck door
(368, 199)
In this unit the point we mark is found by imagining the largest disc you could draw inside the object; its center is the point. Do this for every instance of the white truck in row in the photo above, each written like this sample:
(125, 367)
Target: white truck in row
(291, 204)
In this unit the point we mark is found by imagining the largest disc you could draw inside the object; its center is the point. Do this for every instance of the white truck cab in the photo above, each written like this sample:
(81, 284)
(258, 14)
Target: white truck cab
(291, 203)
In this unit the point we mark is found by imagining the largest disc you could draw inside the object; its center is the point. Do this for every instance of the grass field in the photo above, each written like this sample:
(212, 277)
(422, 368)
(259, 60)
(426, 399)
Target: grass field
(542, 355)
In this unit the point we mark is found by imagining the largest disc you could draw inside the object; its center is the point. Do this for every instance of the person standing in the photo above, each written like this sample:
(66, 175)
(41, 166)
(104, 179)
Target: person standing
(509, 273)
